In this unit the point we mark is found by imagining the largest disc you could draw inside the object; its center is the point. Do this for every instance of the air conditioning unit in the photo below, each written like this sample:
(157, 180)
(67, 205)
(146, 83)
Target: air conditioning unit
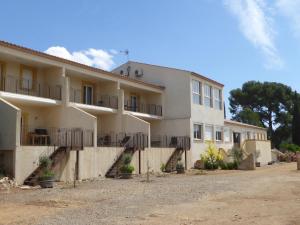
(139, 73)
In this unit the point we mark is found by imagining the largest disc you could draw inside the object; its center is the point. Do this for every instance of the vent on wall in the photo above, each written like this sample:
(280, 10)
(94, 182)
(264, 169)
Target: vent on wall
(139, 73)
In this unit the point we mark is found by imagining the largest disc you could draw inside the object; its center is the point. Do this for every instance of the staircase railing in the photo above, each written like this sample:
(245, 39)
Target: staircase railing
(164, 141)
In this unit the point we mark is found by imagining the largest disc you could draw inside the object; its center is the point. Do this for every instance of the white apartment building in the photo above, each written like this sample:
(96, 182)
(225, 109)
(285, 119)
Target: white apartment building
(86, 118)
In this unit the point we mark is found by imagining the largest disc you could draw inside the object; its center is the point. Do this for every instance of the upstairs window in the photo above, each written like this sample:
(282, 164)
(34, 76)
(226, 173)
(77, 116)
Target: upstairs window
(208, 96)
(197, 131)
(217, 98)
(196, 91)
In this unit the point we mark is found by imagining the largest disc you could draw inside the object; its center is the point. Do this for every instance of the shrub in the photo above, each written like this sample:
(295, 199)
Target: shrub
(179, 166)
(127, 159)
(211, 157)
(163, 167)
(237, 155)
(127, 168)
(228, 165)
(290, 147)
(45, 162)
(46, 175)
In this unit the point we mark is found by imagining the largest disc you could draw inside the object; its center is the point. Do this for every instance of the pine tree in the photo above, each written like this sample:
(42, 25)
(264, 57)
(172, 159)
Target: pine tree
(296, 120)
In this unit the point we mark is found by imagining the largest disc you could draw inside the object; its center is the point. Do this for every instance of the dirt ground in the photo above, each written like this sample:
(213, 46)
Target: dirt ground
(268, 195)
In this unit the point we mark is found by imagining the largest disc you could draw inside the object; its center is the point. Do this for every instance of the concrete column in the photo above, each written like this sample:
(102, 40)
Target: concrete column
(121, 101)
(95, 133)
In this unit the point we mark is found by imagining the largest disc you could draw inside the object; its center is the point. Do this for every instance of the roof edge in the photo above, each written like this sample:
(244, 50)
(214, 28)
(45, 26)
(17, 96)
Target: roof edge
(243, 124)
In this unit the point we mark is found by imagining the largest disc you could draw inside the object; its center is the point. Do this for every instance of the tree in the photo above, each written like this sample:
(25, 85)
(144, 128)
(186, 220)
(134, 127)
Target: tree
(268, 104)
(296, 120)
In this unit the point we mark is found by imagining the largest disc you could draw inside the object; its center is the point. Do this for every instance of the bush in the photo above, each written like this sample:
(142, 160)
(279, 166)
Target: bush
(237, 154)
(179, 166)
(211, 157)
(127, 159)
(163, 167)
(127, 168)
(228, 166)
(46, 175)
(45, 162)
(290, 147)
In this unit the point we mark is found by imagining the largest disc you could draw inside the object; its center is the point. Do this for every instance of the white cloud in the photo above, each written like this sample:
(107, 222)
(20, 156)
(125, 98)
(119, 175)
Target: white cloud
(256, 26)
(91, 57)
(291, 9)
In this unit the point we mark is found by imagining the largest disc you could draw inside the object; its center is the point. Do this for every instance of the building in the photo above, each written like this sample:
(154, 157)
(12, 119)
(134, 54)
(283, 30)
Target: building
(86, 118)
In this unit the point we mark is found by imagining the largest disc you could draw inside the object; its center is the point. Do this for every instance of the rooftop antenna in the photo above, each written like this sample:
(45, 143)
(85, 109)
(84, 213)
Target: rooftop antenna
(126, 53)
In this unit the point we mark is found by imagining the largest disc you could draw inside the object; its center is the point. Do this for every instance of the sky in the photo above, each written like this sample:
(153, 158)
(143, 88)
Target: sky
(231, 41)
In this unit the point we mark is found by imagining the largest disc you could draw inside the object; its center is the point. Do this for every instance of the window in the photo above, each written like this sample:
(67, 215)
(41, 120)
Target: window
(218, 134)
(226, 134)
(88, 94)
(196, 91)
(207, 95)
(197, 131)
(27, 78)
(248, 135)
(209, 133)
(217, 98)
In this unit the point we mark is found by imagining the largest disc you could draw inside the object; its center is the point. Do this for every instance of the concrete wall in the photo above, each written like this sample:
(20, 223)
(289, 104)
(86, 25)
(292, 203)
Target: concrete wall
(9, 126)
(95, 162)
(264, 147)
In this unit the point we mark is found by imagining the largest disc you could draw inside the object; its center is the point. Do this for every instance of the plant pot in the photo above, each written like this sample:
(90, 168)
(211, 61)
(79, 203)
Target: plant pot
(46, 182)
(126, 175)
(180, 170)
(257, 164)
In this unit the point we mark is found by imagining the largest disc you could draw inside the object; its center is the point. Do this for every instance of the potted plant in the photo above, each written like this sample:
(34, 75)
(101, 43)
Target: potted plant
(179, 167)
(126, 169)
(46, 179)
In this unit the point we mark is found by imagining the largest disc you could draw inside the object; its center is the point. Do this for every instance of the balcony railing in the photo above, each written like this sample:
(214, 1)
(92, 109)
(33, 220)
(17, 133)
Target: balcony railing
(99, 100)
(50, 136)
(29, 87)
(164, 141)
(137, 140)
(151, 109)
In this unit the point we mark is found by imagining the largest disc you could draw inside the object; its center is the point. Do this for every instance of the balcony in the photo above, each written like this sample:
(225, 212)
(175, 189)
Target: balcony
(28, 87)
(151, 109)
(95, 99)
(74, 138)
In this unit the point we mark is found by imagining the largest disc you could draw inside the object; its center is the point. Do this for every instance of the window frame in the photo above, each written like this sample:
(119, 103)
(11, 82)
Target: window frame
(218, 130)
(198, 94)
(21, 75)
(200, 130)
(217, 98)
(210, 97)
(227, 129)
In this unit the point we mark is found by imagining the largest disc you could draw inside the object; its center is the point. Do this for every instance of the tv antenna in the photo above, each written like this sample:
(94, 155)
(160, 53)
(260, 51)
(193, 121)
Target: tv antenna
(126, 53)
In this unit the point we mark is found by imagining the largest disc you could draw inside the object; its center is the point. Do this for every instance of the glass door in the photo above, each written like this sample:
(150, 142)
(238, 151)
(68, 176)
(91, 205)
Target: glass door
(133, 101)
(88, 94)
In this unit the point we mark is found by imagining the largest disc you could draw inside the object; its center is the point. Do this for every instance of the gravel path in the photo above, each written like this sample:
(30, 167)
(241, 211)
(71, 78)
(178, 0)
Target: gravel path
(165, 200)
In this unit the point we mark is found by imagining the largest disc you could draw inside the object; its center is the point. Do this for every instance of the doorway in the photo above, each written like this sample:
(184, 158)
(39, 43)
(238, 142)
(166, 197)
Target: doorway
(236, 139)
(88, 94)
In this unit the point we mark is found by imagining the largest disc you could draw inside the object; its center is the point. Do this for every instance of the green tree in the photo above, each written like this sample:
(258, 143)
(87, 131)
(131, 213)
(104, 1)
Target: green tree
(296, 120)
(267, 104)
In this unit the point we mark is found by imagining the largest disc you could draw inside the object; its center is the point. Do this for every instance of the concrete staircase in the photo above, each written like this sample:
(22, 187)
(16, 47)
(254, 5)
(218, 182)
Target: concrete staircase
(56, 157)
(114, 170)
(172, 161)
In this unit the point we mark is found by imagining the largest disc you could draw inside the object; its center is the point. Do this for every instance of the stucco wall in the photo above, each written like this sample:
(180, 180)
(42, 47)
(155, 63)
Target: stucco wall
(9, 126)
(264, 149)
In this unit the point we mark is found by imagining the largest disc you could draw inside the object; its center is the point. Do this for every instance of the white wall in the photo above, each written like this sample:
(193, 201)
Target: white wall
(9, 126)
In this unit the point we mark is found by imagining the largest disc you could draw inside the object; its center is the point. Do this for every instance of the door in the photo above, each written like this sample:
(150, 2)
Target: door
(24, 129)
(134, 103)
(88, 94)
(236, 139)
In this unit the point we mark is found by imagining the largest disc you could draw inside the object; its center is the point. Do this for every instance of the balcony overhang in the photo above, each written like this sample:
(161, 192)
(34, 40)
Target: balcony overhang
(28, 99)
(95, 110)
(144, 115)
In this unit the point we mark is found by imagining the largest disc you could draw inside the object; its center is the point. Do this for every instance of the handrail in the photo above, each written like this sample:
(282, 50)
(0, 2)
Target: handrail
(148, 108)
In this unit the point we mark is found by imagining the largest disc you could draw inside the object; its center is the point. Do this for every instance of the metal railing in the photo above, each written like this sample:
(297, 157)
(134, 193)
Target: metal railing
(151, 109)
(134, 140)
(164, 141)
(65, 137)
(99, 100)
(32, 88)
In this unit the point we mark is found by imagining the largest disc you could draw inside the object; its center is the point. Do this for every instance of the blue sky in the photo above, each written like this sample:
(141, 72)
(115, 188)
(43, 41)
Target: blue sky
(231, 41)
